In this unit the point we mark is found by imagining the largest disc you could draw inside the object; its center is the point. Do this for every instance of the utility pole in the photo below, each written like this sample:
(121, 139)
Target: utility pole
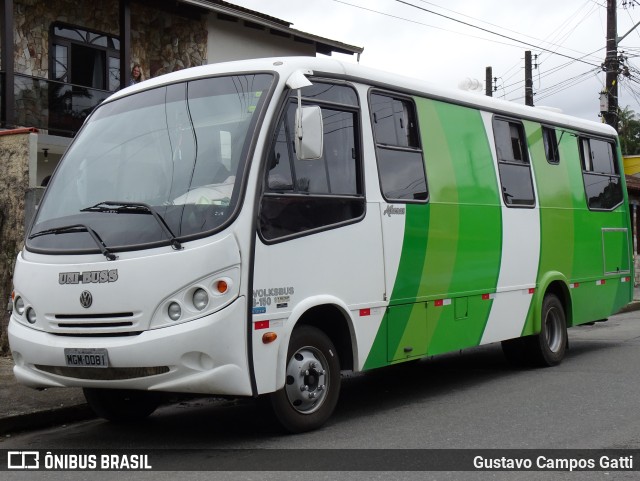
(611, 66)
(488, 87)
(528, 79)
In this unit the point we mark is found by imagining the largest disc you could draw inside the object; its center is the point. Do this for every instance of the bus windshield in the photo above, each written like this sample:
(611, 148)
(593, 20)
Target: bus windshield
(178, 152)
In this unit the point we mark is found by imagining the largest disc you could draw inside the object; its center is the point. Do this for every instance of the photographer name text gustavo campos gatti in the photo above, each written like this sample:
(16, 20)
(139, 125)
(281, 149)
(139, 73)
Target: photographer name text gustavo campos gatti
(556, 464)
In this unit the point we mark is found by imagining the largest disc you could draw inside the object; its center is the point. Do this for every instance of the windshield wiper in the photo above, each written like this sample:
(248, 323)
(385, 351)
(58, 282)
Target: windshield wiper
(116, 207)
(67, 229)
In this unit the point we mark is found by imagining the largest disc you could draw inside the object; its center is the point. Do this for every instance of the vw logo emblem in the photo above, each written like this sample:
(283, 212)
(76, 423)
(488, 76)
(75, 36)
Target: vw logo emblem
(86, 299)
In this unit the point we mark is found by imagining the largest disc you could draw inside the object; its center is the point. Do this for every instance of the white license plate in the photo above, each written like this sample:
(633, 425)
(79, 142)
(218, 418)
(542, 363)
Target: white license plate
(86, 357)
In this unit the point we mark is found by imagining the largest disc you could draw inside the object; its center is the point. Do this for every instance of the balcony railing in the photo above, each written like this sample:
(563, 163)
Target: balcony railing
(55, 106)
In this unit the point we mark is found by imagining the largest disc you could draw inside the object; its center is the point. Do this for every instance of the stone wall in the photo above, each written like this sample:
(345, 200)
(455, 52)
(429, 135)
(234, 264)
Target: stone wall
(33, 19)
(14, 183)
(161, 42)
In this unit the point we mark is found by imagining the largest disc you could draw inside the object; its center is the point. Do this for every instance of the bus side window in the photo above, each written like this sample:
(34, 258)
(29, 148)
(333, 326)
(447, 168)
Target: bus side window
(600, 174)
(309, 195)
(399, 154)
(550, 140)
(513, 163)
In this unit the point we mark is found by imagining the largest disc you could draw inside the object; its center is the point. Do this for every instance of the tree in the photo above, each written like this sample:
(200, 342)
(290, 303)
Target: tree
(629, 131)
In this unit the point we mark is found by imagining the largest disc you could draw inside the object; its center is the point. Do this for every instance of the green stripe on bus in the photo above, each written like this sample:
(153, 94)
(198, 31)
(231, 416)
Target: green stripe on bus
(470, 230)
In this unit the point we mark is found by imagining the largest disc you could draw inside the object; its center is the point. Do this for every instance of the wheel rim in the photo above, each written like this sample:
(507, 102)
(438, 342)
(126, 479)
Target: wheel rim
(553, 329)
(307, 380)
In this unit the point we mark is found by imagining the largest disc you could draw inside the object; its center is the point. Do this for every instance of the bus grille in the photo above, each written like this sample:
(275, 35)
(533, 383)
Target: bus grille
(104, 324)
(103, 374)
(95, 316)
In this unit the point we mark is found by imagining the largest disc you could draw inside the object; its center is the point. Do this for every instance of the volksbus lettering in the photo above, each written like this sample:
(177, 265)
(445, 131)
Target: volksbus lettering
(274, 291)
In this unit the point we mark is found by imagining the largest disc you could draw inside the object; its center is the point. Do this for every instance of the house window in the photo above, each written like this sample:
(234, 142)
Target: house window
(600, 173)
(305, 196)
(85, 58)
(400, 162)
(513, 163)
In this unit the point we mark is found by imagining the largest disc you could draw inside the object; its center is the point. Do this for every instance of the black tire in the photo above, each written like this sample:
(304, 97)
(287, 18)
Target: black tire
(120, 405)
(312, 384)
(550, 345)
(546, 348)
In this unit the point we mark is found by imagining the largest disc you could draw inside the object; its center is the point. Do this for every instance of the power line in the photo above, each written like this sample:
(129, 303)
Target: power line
(553, 39)
(492, 32)
(552, 43)
(422, 23)
(564, 37)
(565, 84)
(552, 70)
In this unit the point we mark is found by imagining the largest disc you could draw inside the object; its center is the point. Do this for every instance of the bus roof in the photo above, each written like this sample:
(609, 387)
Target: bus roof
(333, 68)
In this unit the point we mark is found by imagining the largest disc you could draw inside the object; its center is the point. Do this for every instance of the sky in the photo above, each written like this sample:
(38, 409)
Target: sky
(567, 39)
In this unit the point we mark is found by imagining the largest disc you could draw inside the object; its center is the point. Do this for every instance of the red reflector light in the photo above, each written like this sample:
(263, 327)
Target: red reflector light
(365, 312)
(261, 325)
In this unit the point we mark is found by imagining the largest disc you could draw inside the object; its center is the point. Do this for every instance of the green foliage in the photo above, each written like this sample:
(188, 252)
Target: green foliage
(629, 131)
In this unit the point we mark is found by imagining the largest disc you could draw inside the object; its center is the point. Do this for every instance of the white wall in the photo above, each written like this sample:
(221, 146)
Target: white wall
(233, 41)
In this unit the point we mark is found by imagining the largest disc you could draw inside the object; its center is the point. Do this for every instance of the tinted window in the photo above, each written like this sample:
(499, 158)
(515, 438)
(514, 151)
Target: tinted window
(601, 155)
(334, 173)
(513, 163)
(393, 121)
(402, 174)
(337, 93)
(181, 149)
(550, 141)
(600, 174)
(306, 195)
(510, 143)
(400, 161)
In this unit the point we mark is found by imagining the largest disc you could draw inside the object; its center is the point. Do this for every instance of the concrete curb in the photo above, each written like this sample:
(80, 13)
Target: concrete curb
(45, 419)
(632, 306)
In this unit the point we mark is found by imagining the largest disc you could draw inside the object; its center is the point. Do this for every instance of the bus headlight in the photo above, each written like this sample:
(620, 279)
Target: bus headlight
(200, 299)
(174, 311)
(19, 305)
(31, 315)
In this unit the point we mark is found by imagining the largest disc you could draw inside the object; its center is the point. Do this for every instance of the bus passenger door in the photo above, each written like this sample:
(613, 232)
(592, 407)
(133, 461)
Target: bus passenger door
(404, 217)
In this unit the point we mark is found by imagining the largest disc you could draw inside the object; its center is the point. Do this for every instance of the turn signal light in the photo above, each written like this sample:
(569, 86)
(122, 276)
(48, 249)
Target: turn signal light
(222, 286)
(269, 337)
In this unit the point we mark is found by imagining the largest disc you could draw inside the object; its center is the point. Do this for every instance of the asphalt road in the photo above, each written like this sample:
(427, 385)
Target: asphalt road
(468, 400)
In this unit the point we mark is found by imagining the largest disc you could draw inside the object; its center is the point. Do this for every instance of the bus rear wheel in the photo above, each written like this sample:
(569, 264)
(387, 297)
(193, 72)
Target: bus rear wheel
(122, 405)
(551, 344)
(546, 348)
(312, 384)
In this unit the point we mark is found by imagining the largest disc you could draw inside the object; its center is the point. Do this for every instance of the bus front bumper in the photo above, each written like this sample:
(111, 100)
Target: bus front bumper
(206, 355)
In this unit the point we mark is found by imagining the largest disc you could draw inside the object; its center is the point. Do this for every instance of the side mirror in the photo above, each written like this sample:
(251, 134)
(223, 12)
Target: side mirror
(309, 133)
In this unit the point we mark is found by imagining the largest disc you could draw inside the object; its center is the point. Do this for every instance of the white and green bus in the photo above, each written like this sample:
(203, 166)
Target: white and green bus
(254, 228)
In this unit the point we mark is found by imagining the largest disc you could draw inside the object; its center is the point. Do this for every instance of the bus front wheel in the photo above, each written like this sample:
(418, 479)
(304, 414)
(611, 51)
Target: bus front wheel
(121, 405)
(312, 383)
